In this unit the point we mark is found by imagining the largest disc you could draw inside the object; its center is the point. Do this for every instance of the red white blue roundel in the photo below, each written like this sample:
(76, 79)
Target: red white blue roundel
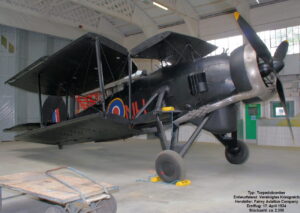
(116, 106)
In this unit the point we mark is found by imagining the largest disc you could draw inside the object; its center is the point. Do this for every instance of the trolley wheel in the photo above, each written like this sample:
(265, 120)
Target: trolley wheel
(55, 209)
(169, 166)
(107, 205)
(238, 155)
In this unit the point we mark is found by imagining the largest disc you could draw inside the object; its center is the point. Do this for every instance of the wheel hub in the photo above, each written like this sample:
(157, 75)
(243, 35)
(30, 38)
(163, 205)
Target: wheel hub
(169, 166)
(168, 169)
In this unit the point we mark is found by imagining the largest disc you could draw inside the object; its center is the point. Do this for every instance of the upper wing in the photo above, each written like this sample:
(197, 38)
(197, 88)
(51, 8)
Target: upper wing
(172, 46)
(73, 69)
(94, 127)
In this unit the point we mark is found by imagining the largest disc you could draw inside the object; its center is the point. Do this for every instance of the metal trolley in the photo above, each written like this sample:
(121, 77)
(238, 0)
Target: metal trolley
(75, 193)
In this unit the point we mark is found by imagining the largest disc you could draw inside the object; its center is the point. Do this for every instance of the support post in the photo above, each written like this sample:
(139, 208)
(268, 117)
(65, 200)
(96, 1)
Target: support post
(100, 73)
(40, 100)
(234, 141)
(72, 106)
(146, 105)
(193, 137)
(161, 133)
(160, 128)
(175, 135)
(160, 100)
(129, 85)
(67, 106)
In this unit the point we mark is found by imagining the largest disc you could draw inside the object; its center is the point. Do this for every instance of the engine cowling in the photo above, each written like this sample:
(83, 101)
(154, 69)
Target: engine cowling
(247, 78)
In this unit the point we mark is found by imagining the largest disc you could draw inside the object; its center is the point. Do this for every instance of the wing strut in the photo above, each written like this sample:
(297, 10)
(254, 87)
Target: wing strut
(129, 84)
(100, 73)
(40, 99)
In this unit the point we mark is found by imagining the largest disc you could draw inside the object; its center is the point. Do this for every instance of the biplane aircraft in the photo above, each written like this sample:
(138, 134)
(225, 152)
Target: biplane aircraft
(192, 88)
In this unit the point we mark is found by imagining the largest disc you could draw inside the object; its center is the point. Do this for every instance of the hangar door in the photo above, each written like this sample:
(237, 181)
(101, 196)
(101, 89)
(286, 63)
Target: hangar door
(253, 112)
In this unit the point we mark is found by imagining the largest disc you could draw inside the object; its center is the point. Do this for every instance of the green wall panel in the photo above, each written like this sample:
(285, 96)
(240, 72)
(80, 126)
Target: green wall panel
(252, 113)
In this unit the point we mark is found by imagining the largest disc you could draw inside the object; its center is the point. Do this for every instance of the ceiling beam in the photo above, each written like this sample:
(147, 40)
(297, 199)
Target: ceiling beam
(184, 9)
(134, 15)
(48, 8)
(102, 9)
(104, 28)
(19, 20)
(141, 19)
(243, 8)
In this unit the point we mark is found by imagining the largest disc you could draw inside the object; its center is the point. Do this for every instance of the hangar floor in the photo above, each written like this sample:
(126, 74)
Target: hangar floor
(127, 164)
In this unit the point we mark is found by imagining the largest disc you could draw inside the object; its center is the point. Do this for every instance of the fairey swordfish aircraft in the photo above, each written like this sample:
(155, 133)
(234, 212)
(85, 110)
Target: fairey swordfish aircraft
(192, 88)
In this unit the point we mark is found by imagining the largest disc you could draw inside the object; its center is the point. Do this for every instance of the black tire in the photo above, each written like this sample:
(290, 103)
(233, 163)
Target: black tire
(169, 166)
(238, 155)
(107, 205)
(55, 209)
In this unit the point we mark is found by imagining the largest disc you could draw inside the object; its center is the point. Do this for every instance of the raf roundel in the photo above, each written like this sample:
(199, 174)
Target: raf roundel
(116, 106)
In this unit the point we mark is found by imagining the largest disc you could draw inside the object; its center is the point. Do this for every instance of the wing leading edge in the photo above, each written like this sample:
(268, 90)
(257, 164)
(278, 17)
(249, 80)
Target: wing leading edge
(97, 127)
(171, 46)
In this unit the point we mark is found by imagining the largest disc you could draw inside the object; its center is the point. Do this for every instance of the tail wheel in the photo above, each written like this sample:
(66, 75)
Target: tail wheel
(169, 166)
(237, 155)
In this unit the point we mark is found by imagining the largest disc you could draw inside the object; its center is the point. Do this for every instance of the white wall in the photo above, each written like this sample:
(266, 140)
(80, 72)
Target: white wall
(8, 63)
(18, 106)
(30, 47)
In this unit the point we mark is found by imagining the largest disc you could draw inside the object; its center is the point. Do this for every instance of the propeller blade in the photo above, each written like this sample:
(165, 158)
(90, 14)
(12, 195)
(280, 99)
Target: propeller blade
(283, 103)
(257, 44)
(281, 51)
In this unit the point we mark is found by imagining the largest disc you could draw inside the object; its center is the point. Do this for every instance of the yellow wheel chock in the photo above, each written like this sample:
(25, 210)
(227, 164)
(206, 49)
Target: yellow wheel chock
(183, 183)
(155, 179)
(178, 183)
(168, 109)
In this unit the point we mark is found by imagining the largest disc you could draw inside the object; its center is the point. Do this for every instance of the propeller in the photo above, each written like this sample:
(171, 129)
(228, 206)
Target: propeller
(270, 64)
(279, 56)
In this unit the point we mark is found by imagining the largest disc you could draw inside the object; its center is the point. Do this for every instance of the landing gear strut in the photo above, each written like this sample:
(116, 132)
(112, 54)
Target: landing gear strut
(236, 152)
(169, 163)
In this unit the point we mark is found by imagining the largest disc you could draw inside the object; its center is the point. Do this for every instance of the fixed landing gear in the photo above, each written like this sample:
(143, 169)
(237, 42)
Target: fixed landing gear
(169, 163)
(170, 166)
(236, 152)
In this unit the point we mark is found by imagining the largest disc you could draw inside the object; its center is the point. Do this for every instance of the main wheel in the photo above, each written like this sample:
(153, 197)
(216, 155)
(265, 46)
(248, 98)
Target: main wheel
(237, 155)
(169, 166)
(107, 205)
